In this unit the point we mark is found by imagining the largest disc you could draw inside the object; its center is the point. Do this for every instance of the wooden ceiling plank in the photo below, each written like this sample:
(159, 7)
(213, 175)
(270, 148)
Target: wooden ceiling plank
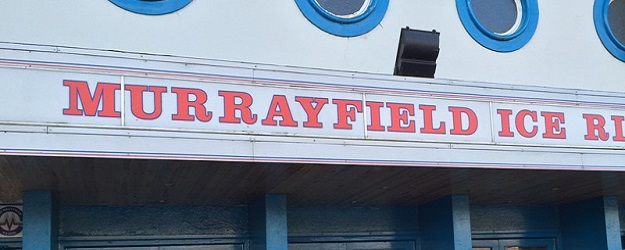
(10, 187)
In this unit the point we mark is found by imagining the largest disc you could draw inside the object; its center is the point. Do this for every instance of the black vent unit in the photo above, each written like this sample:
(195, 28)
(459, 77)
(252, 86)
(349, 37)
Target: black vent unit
(417, 53)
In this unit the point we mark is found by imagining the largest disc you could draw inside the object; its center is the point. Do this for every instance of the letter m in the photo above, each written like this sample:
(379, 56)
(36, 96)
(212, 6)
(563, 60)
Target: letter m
(90, 104)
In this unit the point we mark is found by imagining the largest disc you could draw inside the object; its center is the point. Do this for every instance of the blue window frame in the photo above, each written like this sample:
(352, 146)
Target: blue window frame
(337, 19)
(151, 7)
(480, 20)
(605, 30)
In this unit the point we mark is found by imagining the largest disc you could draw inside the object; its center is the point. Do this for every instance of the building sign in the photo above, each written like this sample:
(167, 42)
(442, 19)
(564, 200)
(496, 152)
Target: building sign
(151, 103)
(10, 221)
(175, 111)
(294, 111)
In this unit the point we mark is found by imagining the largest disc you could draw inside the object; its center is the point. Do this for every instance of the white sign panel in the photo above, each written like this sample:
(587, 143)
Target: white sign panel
(76, 105)
(149, 103)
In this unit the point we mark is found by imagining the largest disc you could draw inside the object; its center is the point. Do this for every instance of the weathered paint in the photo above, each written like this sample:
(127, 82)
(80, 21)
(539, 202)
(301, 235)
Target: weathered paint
(353, 228)
(91, 226)
(445, 224)
(154, 220)
(40, 221)
(591, 224)
(519, 221)
(320, 222)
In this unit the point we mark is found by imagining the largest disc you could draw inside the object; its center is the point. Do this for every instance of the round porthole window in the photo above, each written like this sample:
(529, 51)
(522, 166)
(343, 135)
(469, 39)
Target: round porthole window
(609, 18)
(151, 7)
(499, 25)
(346, 18)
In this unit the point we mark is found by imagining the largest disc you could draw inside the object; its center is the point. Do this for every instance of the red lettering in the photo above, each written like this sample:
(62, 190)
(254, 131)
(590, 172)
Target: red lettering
(520, 123)
(136, 101)
(457, 113)
(104, 93)
(346, 111)
(240, 101)
(428, 123)
(312, 111)
(279, 107)
(618, 124)
(553, 128)
(595, 123)
(184, 103)
(376, 122)
(399, 117)
(505, 122)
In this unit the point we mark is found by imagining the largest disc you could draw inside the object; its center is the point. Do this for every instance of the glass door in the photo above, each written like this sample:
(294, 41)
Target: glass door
(514, 244)
(381, 245)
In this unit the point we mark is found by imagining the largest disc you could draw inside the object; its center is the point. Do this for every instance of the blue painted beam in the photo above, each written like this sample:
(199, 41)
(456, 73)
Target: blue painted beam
(445, 224)
(591, 224)
(40, 221)
(268, 223)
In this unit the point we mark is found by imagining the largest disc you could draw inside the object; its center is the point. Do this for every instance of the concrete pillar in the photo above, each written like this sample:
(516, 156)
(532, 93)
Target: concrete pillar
(40, 221)
(267, 223)
(445, 224)
(591, 225)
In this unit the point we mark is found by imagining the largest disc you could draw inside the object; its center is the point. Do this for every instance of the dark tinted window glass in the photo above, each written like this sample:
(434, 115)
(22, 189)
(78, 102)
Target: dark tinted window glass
(341, 7)
(616, 17)
(526, 248)
(498, 16)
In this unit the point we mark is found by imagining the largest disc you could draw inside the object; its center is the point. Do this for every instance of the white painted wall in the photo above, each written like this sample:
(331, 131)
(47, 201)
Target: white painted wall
(565, 51)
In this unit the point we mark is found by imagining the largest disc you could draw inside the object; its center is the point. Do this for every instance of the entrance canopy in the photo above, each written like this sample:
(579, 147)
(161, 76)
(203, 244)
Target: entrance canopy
(97, 181)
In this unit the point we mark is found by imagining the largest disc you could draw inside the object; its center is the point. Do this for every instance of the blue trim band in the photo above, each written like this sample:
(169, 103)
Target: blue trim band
(497, 42)
(159, 7)
(604, 31)
(340, 26)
